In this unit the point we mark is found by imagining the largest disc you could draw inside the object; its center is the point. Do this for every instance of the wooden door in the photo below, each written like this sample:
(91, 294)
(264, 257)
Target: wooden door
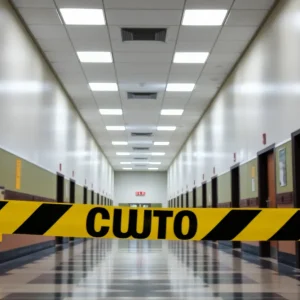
(272, 188)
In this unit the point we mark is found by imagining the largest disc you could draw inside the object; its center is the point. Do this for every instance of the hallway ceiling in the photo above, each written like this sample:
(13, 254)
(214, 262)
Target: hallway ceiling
(142, 67)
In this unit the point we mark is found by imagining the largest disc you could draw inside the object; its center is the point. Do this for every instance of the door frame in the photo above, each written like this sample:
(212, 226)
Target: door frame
(85, 195)
(92, 197)
(204, 194)
(214, 192)
(187, 199)
(181, 200)
(235, 197)
(295, 136)
(262, 177)
(72, 197)
(194, 197)
(60, 198)
(98, 199)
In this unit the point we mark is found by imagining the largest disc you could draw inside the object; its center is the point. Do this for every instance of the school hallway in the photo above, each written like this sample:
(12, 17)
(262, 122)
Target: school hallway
(123, 269)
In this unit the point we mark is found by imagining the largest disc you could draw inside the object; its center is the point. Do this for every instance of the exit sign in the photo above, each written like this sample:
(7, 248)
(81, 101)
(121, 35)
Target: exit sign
(140, 193)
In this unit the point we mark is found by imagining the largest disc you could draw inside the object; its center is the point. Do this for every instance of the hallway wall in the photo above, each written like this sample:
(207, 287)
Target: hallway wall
(38, 122)
(261, 96)
(153, 183)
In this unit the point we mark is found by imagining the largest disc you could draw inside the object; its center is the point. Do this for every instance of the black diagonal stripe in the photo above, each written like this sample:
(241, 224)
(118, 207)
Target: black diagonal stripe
(43, 219)
(231, 225)
(2, 204)
(289, 231)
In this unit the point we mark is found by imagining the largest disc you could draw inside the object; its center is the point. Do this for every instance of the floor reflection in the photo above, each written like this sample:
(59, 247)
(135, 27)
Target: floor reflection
(131, 269)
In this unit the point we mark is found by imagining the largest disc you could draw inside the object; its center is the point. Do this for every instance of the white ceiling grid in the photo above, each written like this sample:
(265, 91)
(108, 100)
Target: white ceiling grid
(142, 66)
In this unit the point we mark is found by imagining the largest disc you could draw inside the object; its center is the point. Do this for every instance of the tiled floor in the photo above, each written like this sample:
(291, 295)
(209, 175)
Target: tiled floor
(104, 269)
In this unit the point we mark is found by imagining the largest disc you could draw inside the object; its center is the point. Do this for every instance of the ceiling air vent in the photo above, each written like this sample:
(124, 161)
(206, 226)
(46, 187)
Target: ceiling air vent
(140, 166)
(140, 148)
(140, 158)
(141, 133)
(142, 96)
(144, 34)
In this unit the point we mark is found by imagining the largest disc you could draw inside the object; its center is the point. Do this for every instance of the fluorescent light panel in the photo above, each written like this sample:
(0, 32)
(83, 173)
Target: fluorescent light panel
(125, 163)
(171, 112)
(123, 153)
(204, 17)
(127, 168)
(161, 143)
(115, 128)
(154, 163)
(120, 143)
(158, 153)
(103, 86)
(166, 128)
(79, 16)
(153, 169)
(95, 57)
(180, 87)
(190, 57)
(111, 112)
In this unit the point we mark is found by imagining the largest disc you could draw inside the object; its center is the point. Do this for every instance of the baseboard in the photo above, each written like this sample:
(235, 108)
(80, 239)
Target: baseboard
(23, 251)
(226, 243)
(250, 249)
(287, 259)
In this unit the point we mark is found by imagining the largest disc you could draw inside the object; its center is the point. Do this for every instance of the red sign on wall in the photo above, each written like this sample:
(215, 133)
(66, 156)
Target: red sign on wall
(140, 193)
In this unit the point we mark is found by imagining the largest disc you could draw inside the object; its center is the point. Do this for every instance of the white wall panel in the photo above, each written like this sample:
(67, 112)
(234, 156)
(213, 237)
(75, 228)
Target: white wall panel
(261, 96)
(153, 183)
(37, 120)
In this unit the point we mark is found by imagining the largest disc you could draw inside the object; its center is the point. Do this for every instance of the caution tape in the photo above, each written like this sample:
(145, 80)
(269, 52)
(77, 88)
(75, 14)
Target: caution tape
(84, 220)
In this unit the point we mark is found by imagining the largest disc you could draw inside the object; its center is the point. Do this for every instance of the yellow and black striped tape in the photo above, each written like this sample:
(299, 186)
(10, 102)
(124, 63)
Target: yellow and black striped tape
(79, 220)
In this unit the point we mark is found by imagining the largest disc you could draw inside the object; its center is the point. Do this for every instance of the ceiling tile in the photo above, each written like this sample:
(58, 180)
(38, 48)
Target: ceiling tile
(221, 58)
(145, 57)
(237, 33)
(197, 34)
(79, 3)
(34, 3)
(209, 4)
(201, 46)
(130, 68)
(99, 72)
(144, 4)
(42, 16)
(144, 17)
(253, 4)
(245, 17)
(60, 45)
(48, 31)
(229, 46)
(66, 67)
(61, 56)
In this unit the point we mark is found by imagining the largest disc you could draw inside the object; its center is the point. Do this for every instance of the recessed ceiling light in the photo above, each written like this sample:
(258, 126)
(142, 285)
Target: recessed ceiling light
(161, 143)
(153, 169)
(127, 168)
(82, 16)
(154, 163)
(123, 153)
(111, 112)
(180, 87)
(103, 86)
(95, 57)
(120, 143)
(171, 112)
(116, 128)
(204, 17)
(125, 163)
(190, 57)
(158, 153)
(166, 128)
